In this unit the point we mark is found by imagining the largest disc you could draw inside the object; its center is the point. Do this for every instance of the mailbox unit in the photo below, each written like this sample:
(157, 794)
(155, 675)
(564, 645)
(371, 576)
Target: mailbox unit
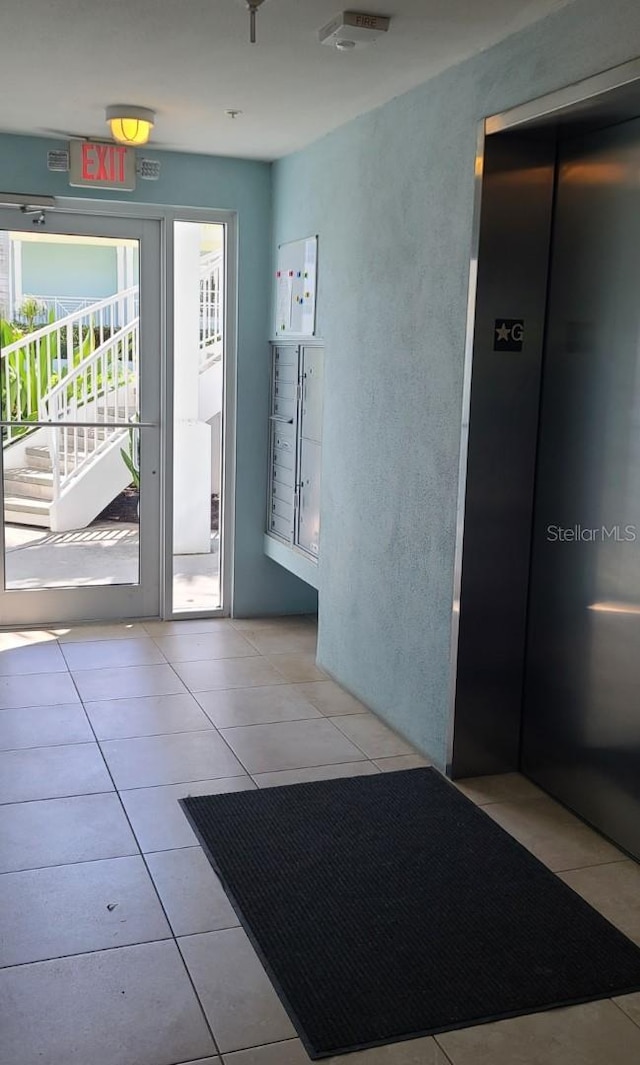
(295, 445)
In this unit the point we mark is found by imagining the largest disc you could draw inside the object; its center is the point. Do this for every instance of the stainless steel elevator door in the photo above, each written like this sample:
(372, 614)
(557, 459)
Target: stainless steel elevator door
(581, 716)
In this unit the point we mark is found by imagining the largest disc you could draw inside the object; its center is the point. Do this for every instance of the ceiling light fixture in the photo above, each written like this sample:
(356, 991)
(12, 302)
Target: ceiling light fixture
(130, 125)
(253, 6)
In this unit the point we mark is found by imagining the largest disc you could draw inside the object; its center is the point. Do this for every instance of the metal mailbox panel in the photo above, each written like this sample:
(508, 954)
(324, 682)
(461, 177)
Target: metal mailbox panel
(284, 408)
(282, 509)
(295, 452)
(281, 491)
(281, 527)
(311, 406)
(284, 437)
(286, 390)
(283, 476)
(286, 355)
(285, 457)
(285, 373)
(309, 500)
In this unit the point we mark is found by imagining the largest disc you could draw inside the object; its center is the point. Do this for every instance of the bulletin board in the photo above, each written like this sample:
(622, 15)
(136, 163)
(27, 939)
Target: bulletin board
(296, 276)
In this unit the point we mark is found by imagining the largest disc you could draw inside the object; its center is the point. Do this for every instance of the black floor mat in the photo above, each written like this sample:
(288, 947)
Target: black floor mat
(388, 907)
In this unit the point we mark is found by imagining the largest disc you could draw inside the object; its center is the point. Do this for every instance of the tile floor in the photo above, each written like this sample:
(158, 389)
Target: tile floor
(118, 946)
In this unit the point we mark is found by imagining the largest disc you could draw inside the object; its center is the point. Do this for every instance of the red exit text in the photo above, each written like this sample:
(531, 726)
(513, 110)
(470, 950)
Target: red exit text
(103, 162)
(101, 165)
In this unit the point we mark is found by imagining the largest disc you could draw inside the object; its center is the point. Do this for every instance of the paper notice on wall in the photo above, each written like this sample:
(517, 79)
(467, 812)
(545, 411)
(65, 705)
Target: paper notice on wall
(283, 303)
(296, 287)
(310, 246)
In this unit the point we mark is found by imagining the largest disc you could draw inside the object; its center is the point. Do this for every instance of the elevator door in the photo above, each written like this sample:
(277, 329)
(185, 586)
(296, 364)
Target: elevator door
(581, 717)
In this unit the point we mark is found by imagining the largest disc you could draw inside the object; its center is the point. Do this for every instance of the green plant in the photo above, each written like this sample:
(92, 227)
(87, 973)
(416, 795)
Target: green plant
(131, 457)
(37, 366)
(30, 310)
(25, 376)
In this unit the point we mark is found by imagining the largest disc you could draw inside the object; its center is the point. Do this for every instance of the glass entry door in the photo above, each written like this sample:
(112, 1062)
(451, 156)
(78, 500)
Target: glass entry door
(80, 370)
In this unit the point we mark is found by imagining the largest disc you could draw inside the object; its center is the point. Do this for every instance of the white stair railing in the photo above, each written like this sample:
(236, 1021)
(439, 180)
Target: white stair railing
(102, 390)
(32, 364)
(211, 307)
(61, 306)
(54, 378)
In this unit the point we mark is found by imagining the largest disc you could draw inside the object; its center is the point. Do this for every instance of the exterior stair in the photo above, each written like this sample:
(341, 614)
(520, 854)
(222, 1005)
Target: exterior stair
(95, 384)
(21, 510)
(28, 490)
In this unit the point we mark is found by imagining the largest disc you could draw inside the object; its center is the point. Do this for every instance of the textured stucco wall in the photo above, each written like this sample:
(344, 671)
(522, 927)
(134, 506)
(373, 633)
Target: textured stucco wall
(390, 196)
(260, 585)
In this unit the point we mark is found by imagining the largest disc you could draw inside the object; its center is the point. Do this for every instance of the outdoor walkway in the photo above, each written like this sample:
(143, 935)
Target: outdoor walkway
(104, 553)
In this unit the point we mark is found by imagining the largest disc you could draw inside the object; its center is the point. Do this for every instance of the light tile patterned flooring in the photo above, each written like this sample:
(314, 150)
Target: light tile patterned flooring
(118, 945)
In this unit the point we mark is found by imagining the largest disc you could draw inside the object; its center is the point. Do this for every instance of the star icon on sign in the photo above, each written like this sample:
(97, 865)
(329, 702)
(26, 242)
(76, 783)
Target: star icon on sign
(503, 332)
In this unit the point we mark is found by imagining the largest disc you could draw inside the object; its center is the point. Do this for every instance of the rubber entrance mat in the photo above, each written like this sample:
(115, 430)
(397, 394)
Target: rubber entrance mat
(388, 907)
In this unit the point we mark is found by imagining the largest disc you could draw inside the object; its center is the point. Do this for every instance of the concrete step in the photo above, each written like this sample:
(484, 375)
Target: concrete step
(39, 458)
(88, 439)
(29, 483)
(19, 511)
(81, 434)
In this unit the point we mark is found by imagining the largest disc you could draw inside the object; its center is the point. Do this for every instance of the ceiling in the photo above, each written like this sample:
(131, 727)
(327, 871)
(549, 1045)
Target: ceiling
(190, 60)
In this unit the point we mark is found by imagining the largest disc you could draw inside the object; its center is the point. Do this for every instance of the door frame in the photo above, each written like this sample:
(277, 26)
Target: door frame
(228, 419)
(39, 606)
(166, 215)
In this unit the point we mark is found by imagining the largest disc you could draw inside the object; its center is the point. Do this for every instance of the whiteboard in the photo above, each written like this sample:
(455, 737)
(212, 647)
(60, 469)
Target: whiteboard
(296, 275)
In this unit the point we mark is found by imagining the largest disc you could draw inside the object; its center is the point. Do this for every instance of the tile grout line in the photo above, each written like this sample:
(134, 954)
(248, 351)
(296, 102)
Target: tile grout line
(80, 643)
(172, 935)
(84, 953)
(219, 731)
(196, 1061)
(45, 746)
(627, 1015)
(356, 744)
(100, 741)
(442, 1051)
(78, 861)
(53, 798)
(143, 787)
(179, 783)
(322, 765)
(596, 865)
(546, 799)
(220, 727)
(214, 728)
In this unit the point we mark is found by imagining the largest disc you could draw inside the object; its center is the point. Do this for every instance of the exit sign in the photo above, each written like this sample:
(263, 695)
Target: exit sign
(95, 165)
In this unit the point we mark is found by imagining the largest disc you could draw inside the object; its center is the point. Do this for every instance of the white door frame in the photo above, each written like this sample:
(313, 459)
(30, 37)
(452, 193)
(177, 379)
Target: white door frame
(49, 605)
(165, 216)
(229, 378)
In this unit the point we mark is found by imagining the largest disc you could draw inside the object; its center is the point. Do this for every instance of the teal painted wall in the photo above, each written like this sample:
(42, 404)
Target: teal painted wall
(390, 195)
(260, 585)
(68, 270)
